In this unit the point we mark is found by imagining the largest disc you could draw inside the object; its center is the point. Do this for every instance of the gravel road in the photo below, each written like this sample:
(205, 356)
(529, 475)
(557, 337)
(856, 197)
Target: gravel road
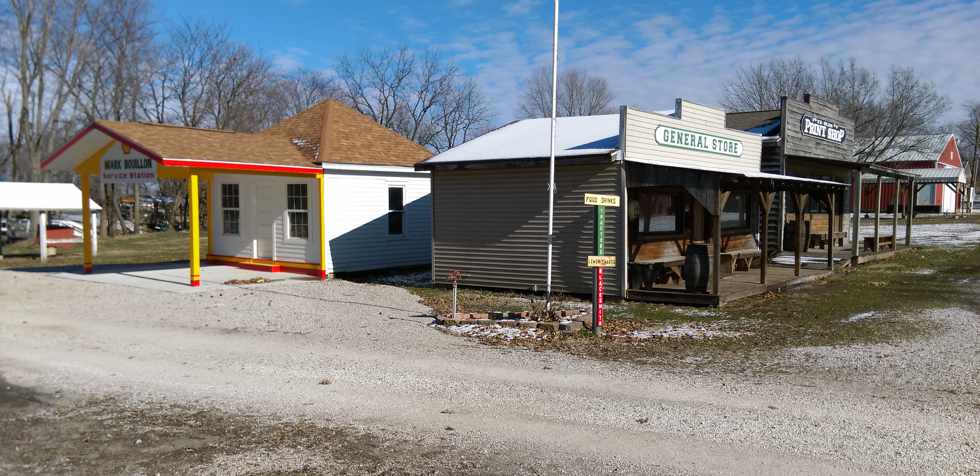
(265, 350)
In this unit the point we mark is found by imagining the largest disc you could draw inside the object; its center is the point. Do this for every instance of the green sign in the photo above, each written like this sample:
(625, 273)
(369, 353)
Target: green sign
(698, 141)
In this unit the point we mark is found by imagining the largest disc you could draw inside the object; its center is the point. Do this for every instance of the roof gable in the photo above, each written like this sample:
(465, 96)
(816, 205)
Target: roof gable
(331, 132)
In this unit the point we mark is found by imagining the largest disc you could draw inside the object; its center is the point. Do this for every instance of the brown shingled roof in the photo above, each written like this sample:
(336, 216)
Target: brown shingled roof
(176, 142)
(328, 132)
(332, 132)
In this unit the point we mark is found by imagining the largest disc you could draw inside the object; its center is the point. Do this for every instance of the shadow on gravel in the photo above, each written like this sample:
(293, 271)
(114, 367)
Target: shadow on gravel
(14, 397)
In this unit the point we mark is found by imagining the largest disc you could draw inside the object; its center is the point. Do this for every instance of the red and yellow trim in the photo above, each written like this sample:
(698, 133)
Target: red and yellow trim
(323, 227)
(272, 266)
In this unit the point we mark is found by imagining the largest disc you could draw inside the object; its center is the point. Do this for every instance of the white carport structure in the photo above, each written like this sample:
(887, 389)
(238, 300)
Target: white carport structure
(48, 197)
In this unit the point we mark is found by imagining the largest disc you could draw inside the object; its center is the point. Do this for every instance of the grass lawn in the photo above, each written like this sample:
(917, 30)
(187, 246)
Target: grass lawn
(813, 315)
(155, 247)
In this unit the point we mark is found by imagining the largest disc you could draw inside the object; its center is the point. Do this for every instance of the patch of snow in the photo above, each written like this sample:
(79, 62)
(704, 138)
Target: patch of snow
(863, 316)
(935, 234)
(505, 333)
(923, 271)
(682, 331)
(694, 312)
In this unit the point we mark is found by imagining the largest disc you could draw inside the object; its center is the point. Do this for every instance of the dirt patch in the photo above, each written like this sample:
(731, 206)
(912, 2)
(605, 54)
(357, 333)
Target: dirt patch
(58, 435)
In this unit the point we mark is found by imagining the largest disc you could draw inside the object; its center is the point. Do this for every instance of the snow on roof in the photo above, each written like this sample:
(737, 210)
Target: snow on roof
(42, 197)
(530, 138)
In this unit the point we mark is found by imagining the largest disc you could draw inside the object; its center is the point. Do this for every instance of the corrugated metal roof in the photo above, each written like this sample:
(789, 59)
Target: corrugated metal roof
(929, 175)
(925, 148)
(530, 138)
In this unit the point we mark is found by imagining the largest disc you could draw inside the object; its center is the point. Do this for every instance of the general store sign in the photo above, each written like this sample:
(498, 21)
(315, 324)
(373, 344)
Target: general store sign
(821, 129)
(128, 170)
(685, 139)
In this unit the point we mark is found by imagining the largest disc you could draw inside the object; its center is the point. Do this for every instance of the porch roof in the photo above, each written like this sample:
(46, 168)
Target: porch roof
(929, 175)
(33, 196)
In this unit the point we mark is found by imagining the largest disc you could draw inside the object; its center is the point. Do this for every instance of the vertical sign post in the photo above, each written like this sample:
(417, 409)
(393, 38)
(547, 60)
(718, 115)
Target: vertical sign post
(600, 250)
(599, 261)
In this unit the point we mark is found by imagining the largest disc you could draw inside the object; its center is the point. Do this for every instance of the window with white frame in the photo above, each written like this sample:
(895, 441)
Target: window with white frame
(396, 210)
(297, 210)
(230, 210)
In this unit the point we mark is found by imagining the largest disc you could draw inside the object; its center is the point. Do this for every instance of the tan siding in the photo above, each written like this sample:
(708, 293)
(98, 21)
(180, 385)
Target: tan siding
(492, 226)
(702, 115)
(640, 144)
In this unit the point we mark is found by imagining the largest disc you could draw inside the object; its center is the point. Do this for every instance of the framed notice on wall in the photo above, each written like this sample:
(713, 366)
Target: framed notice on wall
(128, 170)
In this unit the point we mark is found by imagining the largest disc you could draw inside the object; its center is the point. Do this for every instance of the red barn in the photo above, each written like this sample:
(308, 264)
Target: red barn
(936, 160)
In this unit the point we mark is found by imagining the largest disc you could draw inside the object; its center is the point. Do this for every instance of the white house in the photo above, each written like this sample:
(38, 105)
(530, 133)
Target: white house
(326, 191)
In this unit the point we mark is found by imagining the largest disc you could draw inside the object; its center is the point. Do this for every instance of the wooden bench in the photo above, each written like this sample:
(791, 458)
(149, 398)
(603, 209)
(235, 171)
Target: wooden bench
(883, 241)
(739, 260)
(820, 239)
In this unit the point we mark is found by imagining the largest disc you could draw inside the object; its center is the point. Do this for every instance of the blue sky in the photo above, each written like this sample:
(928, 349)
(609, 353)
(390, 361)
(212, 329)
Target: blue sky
(651, 52)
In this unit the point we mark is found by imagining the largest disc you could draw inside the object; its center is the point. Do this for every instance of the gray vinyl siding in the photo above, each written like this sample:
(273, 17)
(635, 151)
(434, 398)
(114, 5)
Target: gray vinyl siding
(491, 225)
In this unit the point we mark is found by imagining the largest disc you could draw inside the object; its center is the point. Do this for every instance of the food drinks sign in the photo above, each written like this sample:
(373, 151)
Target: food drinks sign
(685, 139)
(821, 129)
(128, 170)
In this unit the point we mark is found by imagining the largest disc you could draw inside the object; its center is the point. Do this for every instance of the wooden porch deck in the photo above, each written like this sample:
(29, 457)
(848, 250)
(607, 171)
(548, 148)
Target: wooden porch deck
(739, 285)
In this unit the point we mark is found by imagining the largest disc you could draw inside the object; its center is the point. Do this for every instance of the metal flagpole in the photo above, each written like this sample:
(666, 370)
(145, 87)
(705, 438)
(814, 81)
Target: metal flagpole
(551, 162)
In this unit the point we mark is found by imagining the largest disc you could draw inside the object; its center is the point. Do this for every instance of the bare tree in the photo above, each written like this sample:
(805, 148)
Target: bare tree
(49, 53)
(236, 87)
(579, 94)
(760, 87)
(300, 90)
(462, 114)
(968, 130)
(417, 95)
(889, 117)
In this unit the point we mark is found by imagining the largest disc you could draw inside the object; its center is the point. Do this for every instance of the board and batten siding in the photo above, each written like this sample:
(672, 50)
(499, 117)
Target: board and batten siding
(639, 143)
(798, 144)
(492, 224)
(262, 220)
(357, 220)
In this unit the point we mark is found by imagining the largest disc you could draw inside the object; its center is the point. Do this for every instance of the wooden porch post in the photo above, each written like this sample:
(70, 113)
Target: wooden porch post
(877, 214)
(800, 199)
(193, 206)
(720, 200)
(857, 192)
(87, 234)
(830, 230)
(910, 210)
(765, 199)
(898, 188)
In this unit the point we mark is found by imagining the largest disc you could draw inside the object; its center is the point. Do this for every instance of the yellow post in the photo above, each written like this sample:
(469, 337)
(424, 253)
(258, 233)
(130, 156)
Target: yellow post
(86, 226)
(195, 230)
(323, 227)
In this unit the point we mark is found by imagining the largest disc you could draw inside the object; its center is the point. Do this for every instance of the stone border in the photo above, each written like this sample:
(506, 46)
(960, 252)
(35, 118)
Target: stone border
(570, 322)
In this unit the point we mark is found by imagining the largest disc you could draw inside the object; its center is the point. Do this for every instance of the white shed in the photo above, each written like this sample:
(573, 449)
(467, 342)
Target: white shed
(44, 198)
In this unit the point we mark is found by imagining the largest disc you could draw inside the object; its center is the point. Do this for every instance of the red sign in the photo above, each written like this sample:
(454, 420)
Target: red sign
(599, 299)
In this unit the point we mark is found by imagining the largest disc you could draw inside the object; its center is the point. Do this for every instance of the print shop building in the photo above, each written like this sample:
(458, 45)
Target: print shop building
(691, 183)
(328, 190)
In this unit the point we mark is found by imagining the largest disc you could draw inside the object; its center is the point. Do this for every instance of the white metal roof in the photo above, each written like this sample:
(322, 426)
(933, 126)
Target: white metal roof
(42, 197)
(530, 138)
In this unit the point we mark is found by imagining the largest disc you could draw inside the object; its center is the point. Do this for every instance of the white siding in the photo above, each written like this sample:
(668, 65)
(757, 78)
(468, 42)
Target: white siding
(640, 144)
(262, 222)
(357, 220)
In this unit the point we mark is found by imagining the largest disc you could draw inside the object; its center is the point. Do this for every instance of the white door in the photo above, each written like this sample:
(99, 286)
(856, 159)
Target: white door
(268, 219)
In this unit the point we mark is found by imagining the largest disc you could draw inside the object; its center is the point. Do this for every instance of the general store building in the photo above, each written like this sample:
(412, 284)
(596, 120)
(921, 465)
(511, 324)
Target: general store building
(693, 192)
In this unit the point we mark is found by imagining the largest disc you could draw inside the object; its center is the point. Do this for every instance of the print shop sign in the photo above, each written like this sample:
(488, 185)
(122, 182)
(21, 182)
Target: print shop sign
(821, 129)
(684, 139)
(128, 170)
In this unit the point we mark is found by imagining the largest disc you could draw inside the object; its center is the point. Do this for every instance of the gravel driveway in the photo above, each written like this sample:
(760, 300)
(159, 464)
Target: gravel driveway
(266, 349)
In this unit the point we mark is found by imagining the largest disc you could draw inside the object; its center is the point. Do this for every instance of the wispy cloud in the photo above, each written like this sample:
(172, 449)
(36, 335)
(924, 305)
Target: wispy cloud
(654, 59)
(520, 7)
(289, 60)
